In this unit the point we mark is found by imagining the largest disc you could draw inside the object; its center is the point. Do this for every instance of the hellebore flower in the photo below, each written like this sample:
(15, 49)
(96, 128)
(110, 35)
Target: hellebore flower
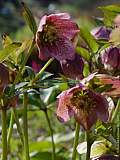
(73, 68)
(4, 77)
(86, 106)
(101, 32)
(106, 157)
(54, 37)
(111, 58)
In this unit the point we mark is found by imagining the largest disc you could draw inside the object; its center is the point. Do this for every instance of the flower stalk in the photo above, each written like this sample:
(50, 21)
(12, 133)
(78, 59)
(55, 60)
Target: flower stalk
(77, 129)
(4, 134)
(51, 134)
(25, 128)
(88, 139)
(42, 70)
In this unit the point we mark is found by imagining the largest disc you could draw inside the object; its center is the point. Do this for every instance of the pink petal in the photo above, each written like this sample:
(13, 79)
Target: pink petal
(64, 110)
(86, 119)
(59, 16)
(42, 22)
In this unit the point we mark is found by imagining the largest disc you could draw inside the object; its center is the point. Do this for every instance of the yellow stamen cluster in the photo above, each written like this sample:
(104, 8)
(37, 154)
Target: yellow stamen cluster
(81, 100)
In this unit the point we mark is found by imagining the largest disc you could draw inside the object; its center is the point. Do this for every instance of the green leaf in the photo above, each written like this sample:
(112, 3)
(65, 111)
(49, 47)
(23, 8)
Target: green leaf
(98, 148)
(110, 12)
(7, 51)
(29, 18)
(83, 52)
(86, 71)
(40, 146)
(89, 39)
(6, 40)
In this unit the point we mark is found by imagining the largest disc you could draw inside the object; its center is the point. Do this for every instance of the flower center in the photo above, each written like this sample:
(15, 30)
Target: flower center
(48, 34)
(82, 100)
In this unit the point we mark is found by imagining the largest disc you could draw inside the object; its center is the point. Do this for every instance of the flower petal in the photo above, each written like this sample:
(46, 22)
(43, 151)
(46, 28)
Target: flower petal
(64, 110)
(62, 49)
(59, 16)
(42, 22)
(86, 119)
(73, 68)
(101, 106)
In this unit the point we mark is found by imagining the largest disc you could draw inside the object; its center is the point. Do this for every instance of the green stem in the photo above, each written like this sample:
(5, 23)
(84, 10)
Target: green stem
(116, 111)
(24, 62)
(25, 128)
(88, 145)
(13, 112)
(19, 128)
(10, 128)
(51, 134)
(4, 134)
(42, 70)
(77, 129)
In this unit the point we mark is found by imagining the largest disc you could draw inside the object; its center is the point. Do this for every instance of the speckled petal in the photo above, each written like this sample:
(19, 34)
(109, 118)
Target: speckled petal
(64, 109)
(62, 49)
(86, 119)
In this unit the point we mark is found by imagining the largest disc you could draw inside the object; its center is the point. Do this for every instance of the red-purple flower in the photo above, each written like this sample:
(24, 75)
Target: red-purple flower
(86, 105)
(111, 58)
(4, 77)
(54, 37)
(101, 32)
(73, 68)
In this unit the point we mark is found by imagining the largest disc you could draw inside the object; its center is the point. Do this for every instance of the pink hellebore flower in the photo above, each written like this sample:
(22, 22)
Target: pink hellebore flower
(73, 68)
(86, 106)
(54, 37)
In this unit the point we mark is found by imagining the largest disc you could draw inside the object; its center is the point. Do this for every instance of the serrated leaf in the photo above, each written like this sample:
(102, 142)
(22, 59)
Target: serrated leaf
(83, 52)
(89, 39)
(7, 51)
(29, 18)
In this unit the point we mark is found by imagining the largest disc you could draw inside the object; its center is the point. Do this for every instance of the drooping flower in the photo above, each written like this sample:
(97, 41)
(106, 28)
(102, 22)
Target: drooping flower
(4, 77)
(86, 105)
(111, 58)
(73, 68)
(54, 37)
(101, 32)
